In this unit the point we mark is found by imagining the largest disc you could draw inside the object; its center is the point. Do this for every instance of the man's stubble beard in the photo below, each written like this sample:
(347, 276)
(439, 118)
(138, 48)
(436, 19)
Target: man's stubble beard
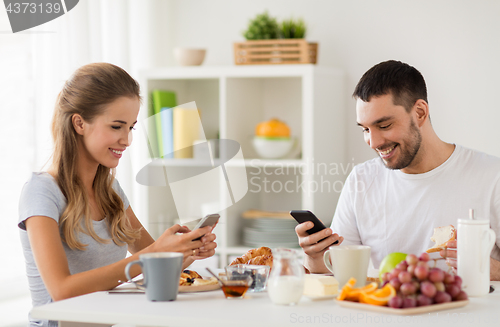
(410, 150)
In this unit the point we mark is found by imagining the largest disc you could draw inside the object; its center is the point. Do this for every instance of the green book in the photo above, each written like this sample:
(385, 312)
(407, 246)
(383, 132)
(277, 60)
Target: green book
(161, 99)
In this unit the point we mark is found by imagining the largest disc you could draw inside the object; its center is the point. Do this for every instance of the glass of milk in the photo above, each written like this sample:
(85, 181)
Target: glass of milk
(286, 281)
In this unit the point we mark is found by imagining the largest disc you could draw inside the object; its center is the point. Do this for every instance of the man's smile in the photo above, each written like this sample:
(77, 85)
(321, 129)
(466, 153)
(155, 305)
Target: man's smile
(387, 152)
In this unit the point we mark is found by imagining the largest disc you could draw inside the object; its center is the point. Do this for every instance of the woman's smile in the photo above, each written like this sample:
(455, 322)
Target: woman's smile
(117, 153)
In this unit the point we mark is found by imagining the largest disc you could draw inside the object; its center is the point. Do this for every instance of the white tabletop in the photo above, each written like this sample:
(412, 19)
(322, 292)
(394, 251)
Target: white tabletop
(212, 309)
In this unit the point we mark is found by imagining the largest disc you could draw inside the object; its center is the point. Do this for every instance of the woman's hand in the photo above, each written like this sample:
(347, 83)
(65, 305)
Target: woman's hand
(208, 248)
(179, 239)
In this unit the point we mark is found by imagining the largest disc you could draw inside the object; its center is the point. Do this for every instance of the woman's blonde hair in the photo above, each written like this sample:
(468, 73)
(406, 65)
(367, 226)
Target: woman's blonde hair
(87, 93)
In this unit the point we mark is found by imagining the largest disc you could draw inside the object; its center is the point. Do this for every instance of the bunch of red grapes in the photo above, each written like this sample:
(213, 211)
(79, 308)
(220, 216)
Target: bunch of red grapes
(418, 285)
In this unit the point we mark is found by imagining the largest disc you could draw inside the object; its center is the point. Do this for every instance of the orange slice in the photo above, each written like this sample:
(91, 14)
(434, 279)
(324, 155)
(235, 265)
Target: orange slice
(346, 289)
(378, 297)
(354, 294)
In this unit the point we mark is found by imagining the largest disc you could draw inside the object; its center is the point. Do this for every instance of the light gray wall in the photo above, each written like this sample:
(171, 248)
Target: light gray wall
(454, 43)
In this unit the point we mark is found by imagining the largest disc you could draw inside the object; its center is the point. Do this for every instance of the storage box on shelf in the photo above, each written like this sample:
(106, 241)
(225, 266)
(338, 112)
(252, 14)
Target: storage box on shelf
(281, 51)
(232, 100)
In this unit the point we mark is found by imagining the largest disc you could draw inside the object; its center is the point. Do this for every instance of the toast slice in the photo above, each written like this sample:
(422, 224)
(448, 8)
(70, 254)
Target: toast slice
(441, 236)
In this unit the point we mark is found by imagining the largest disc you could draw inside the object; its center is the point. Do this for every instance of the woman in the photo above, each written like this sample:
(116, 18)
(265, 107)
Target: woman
(76, 221)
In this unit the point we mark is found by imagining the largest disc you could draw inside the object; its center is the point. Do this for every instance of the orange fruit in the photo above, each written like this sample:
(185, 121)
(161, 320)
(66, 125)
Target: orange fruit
(346, 289)
(272, 128)
(354, 294)
(378, 297)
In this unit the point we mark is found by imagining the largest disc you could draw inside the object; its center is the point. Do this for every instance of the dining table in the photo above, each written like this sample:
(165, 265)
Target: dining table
(211, 308)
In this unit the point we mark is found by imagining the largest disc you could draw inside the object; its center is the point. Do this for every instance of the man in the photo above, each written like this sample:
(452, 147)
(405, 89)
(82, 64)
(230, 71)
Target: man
(419, 182)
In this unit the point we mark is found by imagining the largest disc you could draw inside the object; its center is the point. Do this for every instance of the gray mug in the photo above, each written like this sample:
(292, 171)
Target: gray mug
(161, 271)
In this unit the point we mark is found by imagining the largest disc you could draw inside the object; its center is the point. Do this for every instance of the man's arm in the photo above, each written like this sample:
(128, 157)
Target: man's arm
(494, 269)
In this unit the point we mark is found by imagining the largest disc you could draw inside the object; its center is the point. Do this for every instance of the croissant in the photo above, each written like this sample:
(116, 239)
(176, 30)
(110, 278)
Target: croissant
(262, 260)
(255, 253)
(260, 251)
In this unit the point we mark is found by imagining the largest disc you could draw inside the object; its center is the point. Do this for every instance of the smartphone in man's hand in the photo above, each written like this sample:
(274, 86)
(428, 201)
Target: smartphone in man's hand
(301, 216)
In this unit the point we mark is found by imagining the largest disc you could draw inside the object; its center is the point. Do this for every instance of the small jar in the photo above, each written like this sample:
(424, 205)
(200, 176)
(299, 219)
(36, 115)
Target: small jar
(286, 281)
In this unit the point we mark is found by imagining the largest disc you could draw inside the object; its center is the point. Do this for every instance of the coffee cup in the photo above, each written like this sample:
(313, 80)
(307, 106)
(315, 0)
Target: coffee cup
(161, 271)
(348, 261)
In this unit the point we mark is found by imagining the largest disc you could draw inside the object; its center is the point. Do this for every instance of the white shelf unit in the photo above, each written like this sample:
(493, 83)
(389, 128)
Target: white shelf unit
(232, 101)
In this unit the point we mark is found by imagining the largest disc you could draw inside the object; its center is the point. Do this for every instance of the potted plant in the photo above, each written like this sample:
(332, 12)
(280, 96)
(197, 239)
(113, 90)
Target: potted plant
(293, 29)
(270, 42)
(262, 27)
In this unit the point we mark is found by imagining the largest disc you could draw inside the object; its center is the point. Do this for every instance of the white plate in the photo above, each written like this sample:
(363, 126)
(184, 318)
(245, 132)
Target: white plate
(131, 288)
(199, 288)
(407, 311)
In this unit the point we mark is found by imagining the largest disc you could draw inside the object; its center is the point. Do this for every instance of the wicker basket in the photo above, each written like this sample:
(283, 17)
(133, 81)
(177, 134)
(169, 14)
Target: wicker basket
(263, 52)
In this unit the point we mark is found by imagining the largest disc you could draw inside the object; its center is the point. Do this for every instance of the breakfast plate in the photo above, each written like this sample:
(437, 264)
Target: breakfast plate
(132, 288)
(407, 311)
(200, 288)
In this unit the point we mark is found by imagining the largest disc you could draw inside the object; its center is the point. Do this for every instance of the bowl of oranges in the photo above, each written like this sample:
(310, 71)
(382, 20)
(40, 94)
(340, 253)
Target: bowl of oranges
(272, 139)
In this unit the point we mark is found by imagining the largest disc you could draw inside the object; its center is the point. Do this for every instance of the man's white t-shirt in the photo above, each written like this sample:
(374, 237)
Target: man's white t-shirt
(396, 212)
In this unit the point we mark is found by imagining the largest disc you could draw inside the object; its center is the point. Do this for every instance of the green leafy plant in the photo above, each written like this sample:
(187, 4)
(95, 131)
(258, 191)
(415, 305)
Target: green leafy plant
(262, 27)
(293, 29)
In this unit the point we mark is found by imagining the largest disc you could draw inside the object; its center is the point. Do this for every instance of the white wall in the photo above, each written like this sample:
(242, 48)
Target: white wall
(454, 43)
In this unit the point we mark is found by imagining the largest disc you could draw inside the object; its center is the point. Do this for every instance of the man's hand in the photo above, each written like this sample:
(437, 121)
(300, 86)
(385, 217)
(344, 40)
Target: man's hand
(450, 254)
(313, 248)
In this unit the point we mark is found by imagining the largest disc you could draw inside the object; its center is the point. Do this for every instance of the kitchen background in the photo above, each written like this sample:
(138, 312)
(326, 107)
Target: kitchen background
(454, 43)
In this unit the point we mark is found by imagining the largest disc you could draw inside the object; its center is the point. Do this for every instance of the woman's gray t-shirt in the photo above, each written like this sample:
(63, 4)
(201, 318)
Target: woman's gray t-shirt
(41, 196)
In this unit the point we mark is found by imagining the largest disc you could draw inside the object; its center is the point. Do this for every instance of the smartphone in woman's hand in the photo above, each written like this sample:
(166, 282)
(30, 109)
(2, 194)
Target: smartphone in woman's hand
(208, 220)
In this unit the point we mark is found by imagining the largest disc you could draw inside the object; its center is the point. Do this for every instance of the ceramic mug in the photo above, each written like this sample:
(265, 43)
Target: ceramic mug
(162, 271)
(348, 261)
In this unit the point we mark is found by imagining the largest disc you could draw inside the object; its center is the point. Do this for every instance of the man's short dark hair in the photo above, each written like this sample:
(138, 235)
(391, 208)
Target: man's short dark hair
(403, 81)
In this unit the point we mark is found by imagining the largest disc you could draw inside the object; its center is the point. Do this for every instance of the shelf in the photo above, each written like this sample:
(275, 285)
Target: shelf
(232, 100)
(232, 163)
(258, 71)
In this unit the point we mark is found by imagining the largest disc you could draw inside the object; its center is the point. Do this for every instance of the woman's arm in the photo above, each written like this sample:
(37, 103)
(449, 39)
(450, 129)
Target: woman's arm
(51, 261)
(144, 240)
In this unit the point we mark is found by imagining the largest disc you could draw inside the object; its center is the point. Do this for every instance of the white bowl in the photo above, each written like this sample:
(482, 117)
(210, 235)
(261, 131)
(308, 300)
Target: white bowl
(269, 148)
(189, 57)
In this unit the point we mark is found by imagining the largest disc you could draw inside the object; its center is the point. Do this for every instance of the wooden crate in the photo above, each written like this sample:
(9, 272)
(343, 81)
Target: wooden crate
(286, 51)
